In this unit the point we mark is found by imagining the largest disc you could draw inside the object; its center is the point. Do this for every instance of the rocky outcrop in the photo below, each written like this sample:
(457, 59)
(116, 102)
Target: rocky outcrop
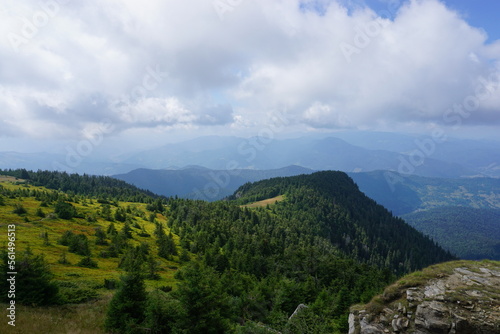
(461, 297)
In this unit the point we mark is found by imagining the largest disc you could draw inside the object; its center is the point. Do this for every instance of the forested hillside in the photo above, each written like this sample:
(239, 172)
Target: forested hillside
(469, 233)
(87, 185)
(332, 204)
(197, 267)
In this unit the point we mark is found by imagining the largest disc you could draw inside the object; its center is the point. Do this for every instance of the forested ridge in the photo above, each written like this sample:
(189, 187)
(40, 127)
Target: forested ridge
(351, 221)
(88, 185)
(324, 246)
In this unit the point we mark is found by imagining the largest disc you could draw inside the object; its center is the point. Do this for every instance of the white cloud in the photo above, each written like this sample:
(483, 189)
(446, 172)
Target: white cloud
(76, 67)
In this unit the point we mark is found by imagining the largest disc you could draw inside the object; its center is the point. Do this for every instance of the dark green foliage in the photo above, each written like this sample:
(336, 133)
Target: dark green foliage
(100, 237)
(39, 212)
(19, 209)
(126, 311)
(87, 262)
(111, 231)
(110, 284)
(325, 245)
(65, 210)
(184, 257)
(202, 296)
(156, 206)
(106, 212)
(76, 294)
(126, 231)
(166, 244)
(89, 185)
(120, 214)
(33, 282)
(24, 174)
(135, 259)
(330, 206)
(469, 233)
(91, 217)
(164, 314)
(119, 243)
(77, 243)
(2, 201)
(151, 268)
(165, 288)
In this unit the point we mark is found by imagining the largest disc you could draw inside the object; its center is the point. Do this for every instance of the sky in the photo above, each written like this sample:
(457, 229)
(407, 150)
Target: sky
(146, 73)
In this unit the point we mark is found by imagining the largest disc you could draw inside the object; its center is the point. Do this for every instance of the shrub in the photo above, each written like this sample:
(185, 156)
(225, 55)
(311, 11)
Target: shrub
(65, 210)
(76, 295)
(39, 212)
(110, 284)
(87, 262)
(19, 209)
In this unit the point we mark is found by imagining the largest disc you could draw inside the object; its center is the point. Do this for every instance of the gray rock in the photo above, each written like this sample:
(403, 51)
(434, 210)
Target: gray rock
(433, 316)
(464, 302)
(371, 330)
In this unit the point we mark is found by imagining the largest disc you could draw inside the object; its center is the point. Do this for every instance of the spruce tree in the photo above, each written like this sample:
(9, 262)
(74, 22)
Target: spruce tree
(34, 285)
(203, 299)
(126, 311)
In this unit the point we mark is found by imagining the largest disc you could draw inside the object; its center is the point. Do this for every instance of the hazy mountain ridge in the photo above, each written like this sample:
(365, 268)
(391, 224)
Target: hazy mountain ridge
(346, 151)
(325, 153)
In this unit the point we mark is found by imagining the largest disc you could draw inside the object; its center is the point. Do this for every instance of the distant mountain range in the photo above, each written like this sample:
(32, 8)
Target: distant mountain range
(330, 153)
(344, 151)
(71, 163)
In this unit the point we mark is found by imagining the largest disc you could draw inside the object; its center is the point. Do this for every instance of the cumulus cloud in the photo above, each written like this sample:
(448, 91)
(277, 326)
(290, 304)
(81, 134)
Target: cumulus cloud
(202, 64)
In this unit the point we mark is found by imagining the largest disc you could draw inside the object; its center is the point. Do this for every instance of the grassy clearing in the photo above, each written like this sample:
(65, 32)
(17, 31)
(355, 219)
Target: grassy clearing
(87, 318)
(11, 179)
(269, 201)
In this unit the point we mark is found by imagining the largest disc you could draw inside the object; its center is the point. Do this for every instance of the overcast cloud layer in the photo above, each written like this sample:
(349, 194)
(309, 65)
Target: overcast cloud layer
(67, 67)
